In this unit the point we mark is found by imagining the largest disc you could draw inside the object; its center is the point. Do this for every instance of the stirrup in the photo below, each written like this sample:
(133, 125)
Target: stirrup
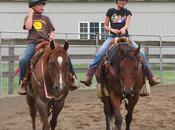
(22, 90)
(77, 82)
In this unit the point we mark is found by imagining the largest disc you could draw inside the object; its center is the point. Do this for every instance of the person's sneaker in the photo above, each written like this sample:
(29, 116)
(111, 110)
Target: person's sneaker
(87, 81)
(154, 81)
(22, 87)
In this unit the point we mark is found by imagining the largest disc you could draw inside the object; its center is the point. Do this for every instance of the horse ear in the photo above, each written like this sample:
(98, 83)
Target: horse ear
(52, 44)
(136, 51)
(66, 46)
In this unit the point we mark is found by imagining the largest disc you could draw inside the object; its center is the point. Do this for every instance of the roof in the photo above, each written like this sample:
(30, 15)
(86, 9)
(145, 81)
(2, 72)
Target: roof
(91, 0)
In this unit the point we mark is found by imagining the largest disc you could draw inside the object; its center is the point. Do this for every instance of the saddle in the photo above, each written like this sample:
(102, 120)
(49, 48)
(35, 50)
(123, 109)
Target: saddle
(110, 55)
(39, 51)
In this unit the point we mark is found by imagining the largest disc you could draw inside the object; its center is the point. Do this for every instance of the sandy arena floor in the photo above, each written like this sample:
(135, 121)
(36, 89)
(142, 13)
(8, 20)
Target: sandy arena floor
(84, 111)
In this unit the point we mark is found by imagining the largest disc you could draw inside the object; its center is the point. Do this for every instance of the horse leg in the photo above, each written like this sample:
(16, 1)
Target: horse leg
(130, 107)
(116, 101)
(118, 120)
(33, 109)
(43, 111)
(58, 105)
(107, 111)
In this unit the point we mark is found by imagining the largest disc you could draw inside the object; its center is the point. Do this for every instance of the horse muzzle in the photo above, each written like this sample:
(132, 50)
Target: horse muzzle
(58, 91)
(128, 93)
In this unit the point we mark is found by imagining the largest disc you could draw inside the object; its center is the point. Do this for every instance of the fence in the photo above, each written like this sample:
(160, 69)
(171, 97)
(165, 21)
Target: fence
(82, 52)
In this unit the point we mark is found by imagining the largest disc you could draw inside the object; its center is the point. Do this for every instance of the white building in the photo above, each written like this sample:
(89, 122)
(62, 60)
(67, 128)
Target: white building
(150, 17)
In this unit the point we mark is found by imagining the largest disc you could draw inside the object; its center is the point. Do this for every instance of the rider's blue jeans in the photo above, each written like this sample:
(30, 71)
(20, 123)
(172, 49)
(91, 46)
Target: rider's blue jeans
(102, 51)
(25, 59)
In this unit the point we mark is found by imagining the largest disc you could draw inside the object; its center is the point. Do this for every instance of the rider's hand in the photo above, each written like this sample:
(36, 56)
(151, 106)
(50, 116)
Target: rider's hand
(31, 11)
(51, 36)
(116, 31)
(122, 31)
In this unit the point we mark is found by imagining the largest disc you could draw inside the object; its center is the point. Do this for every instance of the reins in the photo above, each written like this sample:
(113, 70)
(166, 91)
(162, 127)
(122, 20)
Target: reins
(44, 81)
(111, 69)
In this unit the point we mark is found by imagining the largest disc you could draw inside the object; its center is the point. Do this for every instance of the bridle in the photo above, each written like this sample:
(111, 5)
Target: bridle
(50, 97)
(113, 71)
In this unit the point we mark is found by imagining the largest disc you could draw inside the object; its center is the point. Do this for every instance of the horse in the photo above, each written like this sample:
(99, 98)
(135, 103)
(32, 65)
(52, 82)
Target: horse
(48, 85)
(120, 76)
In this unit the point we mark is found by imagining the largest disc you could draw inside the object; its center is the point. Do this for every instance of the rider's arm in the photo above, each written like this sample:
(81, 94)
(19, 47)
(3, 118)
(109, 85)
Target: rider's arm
(122, 31)
(128, 21)
(28, 23)
(109, 29)
(51, 36)
(51, 29)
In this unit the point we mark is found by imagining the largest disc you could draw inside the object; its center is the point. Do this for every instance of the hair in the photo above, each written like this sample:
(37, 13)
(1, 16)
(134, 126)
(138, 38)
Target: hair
(117, 1)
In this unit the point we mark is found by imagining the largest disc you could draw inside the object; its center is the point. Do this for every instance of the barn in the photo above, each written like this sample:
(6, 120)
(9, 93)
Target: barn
(150, 17)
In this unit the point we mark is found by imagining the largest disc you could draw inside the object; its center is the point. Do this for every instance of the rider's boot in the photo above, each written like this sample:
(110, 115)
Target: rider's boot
(22, 90)
(88, 79)
(152, 80)
(73, 79)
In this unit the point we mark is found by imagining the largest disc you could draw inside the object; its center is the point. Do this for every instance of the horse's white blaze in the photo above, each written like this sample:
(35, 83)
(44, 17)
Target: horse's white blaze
(60, 60)
(61, 81)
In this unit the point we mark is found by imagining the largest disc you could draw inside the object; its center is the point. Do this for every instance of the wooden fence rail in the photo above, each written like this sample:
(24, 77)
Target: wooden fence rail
(11, 59)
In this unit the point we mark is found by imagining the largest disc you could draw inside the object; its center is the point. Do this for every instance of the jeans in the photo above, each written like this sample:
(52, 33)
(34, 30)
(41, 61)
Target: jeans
(25, 59)
(102, 51)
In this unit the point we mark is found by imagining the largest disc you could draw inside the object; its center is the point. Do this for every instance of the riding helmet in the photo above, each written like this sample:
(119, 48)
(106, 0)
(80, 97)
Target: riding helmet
(32, 3)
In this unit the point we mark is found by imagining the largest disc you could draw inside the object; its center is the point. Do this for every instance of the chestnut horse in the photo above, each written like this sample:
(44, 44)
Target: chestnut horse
(49, 80)
(121, 75)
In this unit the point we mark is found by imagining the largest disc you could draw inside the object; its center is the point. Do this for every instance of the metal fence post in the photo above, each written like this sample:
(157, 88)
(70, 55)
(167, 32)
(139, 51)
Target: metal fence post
(0, 66)
(161, 60)
(66, 36)
(11, 68)
(96, 40)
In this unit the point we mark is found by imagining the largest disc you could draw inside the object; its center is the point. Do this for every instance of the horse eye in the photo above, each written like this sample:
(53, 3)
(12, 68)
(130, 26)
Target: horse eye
(51, 61)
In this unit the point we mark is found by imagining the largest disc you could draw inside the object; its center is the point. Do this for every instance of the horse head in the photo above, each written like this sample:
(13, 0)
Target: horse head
(130, 67)
(56, 62)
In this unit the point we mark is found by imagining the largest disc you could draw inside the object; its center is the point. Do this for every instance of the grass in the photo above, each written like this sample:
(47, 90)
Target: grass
(168, 77)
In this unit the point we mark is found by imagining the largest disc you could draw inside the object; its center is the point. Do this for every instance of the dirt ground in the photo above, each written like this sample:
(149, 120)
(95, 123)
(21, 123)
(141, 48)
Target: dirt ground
(84, 111)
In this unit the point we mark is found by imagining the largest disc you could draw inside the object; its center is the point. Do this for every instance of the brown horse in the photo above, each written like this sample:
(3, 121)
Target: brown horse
(49, 80)
(121, 75)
